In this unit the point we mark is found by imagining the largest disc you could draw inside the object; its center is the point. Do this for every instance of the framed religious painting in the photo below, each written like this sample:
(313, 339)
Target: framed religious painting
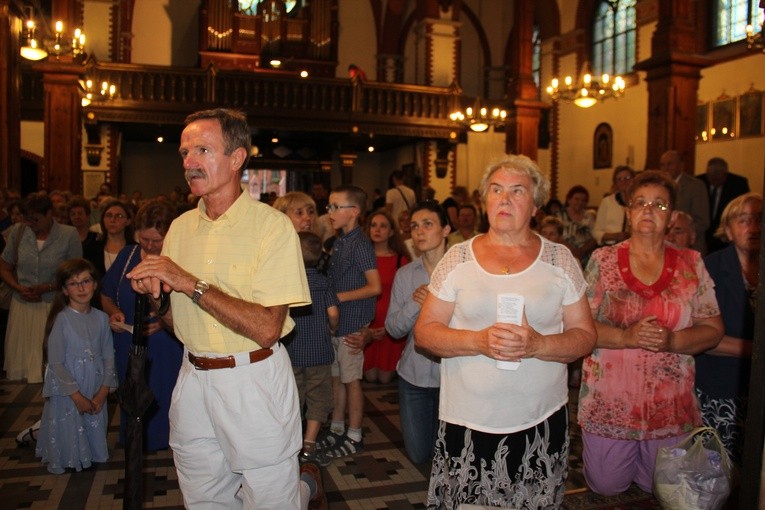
(724, 119)
(602, 146)
(702, 122)
(750, 115)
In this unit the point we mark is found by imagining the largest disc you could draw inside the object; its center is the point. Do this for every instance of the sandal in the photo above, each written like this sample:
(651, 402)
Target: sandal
(27, 436)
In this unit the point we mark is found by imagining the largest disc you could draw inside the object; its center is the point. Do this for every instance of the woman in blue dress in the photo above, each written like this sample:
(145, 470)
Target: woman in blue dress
(79, 374)
(165, 352)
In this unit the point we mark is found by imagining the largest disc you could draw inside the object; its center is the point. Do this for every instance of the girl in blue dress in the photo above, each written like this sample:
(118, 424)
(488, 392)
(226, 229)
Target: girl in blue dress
(79, 374)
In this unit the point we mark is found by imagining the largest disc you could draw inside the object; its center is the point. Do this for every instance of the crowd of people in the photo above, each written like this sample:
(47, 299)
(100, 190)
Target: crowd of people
(485, 310)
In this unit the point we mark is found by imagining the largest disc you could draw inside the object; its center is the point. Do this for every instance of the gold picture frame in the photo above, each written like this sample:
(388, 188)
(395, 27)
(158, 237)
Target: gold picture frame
(702, 122)
(750, 114)
(602, 146)
(724, 119)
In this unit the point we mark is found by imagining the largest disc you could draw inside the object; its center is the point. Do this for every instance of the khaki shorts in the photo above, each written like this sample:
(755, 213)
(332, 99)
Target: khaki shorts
(348, 367)
(314, 391)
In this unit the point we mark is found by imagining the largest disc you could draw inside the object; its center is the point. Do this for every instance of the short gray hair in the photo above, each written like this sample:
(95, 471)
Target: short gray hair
(522, 165)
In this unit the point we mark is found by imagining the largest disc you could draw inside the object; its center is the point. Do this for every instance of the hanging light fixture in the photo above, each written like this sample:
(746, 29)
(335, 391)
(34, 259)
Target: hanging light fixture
(92, 94)
(587, 92)
(32, 48)
(36, 47)
(480, 117)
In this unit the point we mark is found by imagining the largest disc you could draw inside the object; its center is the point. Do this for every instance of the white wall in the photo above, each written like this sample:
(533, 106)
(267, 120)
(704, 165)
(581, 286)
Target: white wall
(165, 32)
(358, 38)
(96, 30)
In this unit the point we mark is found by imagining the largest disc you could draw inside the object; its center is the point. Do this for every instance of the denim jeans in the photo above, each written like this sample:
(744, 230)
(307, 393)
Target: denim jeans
(419, 419)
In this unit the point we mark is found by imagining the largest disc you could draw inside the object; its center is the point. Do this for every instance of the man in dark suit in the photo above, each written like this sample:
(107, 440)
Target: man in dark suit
(690, 196)
(722, 187)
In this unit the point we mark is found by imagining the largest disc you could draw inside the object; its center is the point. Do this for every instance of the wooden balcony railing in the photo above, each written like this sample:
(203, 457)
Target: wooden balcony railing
(158, 94)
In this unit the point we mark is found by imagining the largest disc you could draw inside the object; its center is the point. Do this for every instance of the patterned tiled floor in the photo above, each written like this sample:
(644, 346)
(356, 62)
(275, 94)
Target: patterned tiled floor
(381, 477)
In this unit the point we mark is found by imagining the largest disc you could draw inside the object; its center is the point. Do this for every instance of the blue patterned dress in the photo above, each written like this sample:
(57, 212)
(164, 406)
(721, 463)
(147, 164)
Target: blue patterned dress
(80, 358)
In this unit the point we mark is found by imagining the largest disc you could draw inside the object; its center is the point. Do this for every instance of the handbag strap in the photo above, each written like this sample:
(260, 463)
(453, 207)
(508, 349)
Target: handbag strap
(691, 439)
(404, 197)
(124, 270)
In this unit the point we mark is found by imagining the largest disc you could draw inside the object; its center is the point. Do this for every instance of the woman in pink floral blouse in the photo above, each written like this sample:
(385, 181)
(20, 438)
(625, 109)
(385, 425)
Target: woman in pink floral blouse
(654, 307)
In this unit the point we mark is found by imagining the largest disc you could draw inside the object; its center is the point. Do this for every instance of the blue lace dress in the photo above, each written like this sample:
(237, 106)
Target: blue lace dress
(80, 358)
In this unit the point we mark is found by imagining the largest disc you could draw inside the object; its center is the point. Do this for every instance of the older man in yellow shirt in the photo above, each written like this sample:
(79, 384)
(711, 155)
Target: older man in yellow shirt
(233, 267)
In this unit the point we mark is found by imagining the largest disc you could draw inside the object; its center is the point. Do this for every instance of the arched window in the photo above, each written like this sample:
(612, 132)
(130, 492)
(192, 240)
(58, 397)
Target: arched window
(730, 18)
(613, 37)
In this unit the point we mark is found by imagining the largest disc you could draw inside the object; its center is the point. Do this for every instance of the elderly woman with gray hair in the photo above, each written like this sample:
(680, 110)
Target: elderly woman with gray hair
(506, 312)
(722, 373)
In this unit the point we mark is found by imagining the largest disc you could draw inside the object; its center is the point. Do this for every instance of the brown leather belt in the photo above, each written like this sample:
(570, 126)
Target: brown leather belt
(201, 363)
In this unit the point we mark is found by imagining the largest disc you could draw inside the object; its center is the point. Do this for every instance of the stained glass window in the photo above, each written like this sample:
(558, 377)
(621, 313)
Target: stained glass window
(730, 18)
(613, 37)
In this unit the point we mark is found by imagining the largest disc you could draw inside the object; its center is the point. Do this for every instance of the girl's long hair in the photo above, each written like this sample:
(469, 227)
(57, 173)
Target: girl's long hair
(394, 242)
(66, 270)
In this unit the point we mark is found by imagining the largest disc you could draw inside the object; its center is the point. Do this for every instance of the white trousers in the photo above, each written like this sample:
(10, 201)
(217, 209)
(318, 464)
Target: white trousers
(235, 435)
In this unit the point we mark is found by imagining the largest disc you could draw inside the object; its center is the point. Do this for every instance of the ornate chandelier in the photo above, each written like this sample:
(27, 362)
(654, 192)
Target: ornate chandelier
(90, 93)
(480, 117)
(36, 47)
(588, 91)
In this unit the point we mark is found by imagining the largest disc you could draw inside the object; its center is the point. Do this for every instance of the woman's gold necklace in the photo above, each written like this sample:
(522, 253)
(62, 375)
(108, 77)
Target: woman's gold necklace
(641, 269)
(506, 269)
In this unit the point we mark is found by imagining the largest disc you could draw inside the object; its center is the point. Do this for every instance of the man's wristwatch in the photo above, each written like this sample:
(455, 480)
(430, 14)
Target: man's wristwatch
(200, 288)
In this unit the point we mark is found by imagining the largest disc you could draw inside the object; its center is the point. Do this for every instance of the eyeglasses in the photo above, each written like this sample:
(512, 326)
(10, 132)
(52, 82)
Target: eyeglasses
(656, 204)
(79, 285)
(116, 216)
(335, 207)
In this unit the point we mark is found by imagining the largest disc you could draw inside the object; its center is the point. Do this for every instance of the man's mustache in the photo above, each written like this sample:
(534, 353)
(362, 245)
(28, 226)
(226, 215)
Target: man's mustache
(192, 173)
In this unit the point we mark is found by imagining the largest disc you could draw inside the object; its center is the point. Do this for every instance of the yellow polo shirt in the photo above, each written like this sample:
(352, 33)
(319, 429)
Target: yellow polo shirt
(251, 252)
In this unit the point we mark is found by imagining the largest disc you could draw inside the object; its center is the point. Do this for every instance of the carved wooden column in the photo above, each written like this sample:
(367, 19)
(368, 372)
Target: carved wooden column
(10, 112)
(522, 127)
(63, 130)
(672, 76)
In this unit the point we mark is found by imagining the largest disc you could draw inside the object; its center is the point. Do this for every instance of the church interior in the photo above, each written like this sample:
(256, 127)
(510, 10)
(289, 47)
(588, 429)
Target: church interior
(348, 91)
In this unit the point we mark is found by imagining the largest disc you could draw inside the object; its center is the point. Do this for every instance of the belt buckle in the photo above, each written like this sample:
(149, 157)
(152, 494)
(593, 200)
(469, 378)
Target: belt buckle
(196, 361)
(241, 359)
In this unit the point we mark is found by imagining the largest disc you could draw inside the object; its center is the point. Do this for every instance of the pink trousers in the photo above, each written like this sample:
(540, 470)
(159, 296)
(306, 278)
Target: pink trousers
(611, 465)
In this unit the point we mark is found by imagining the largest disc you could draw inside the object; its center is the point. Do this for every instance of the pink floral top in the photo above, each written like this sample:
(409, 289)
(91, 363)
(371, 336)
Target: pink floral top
(633, 393)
